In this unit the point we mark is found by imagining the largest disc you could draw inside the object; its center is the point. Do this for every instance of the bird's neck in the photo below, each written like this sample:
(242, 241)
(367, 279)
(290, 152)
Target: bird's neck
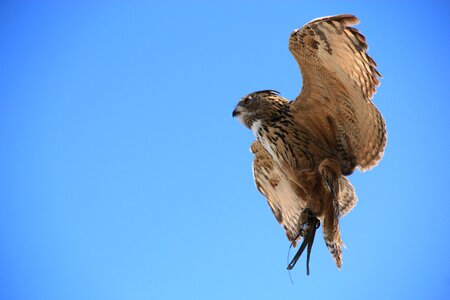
(278, 113)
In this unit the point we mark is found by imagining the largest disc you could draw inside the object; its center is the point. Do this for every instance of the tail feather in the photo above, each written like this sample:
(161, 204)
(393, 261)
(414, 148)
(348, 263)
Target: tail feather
(332, 234)
(335, 248)
(331, 175)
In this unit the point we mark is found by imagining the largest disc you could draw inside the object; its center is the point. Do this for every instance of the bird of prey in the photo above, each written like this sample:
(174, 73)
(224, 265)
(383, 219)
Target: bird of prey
(306, 148)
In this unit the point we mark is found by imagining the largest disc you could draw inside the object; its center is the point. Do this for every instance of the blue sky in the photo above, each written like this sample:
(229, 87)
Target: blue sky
(123, 175)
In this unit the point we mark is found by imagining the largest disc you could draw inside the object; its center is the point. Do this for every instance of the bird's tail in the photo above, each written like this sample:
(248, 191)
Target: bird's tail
(331, 176)
(332, 237)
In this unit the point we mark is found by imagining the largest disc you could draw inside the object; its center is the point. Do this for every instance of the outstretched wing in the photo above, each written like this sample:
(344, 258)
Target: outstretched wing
(339, 80)
(285, 203)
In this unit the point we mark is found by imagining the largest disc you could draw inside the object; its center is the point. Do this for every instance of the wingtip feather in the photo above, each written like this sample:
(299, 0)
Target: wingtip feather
(345, 19)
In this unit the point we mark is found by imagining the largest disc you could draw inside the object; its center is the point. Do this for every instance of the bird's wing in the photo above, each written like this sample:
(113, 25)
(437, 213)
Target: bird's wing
(347, 197)
(286, 204)
(339, 80)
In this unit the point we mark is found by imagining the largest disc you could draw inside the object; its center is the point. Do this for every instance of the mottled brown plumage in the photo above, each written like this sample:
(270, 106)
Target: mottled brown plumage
(307, 147)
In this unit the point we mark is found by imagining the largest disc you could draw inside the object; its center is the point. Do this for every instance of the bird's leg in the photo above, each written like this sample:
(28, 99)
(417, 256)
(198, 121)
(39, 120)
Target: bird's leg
(308, 231)
(330, 172)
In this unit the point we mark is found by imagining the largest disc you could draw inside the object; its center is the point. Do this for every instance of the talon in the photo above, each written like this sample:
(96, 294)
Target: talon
(310, 226)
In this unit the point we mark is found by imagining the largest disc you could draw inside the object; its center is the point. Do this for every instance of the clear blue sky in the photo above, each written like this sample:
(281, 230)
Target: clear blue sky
(124, 176)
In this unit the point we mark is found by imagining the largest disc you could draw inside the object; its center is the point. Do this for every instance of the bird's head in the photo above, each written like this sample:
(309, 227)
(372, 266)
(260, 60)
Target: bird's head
(256, 106)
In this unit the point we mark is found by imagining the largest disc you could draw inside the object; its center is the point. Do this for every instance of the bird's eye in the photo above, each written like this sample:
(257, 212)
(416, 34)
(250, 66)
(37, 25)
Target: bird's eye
(247, 100)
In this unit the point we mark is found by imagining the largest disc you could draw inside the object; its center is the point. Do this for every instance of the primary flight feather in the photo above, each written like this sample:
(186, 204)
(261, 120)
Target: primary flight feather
(305, 148)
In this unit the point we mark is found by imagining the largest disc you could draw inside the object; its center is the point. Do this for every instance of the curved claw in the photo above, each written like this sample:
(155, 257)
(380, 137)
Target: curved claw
(308, 240)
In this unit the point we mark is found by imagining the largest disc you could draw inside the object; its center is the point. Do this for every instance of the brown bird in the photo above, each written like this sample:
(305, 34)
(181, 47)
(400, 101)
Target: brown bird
(305, 148)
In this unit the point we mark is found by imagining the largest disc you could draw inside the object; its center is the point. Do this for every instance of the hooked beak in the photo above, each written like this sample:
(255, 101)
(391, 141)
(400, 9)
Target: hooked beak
(236, 112)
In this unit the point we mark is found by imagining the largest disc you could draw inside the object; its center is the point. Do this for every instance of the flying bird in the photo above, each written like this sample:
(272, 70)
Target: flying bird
(306, 148)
